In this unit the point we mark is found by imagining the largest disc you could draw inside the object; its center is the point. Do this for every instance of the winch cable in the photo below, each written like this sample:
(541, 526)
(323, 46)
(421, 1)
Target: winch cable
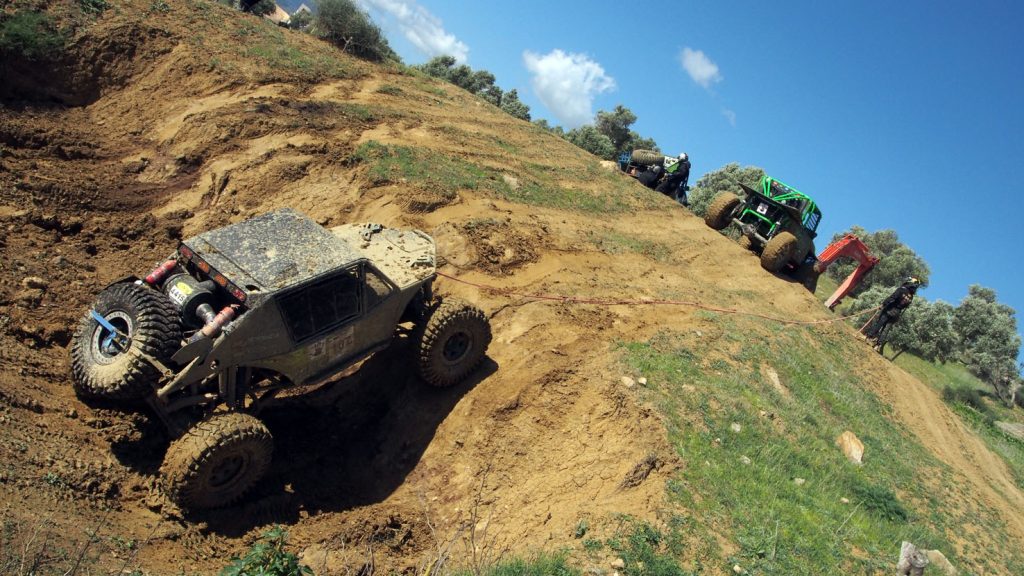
(646, 302)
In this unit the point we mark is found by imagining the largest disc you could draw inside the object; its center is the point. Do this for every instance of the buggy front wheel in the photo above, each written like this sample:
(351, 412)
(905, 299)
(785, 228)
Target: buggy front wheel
(778, 251)
(719, 213)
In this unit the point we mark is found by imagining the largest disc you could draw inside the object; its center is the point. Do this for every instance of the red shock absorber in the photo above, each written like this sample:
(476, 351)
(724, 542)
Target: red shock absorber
(160, 271)
(212, 328)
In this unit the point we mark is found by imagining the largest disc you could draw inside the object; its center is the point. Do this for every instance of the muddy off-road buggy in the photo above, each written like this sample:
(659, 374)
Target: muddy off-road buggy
(239, 314)
(777, 222)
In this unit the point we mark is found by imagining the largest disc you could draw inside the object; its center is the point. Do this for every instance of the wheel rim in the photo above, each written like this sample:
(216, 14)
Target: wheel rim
(457, 347)
(105, 346)
(227, 471)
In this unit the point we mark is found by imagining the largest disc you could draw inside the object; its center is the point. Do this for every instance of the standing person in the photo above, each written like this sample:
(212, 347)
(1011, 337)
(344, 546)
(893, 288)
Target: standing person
(676, 177)
(890, 312)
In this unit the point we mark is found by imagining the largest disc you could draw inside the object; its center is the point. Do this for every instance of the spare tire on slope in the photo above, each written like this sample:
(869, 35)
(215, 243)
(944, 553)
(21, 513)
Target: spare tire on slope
(648, 158)
(106, 364)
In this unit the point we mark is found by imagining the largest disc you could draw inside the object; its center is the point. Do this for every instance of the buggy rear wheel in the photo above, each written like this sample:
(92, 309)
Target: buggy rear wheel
(719, 213)
(778, 251)
(452, 343)
(105, 363)
(217, 461)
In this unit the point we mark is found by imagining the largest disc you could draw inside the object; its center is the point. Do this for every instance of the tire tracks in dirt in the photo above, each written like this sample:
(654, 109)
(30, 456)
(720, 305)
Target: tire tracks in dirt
(923, 412)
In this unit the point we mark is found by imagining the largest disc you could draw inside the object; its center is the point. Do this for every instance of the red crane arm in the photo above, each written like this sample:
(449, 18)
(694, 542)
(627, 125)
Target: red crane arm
(851, 247)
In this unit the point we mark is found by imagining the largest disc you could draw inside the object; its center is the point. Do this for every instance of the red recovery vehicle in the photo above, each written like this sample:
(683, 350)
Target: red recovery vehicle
(851, 247)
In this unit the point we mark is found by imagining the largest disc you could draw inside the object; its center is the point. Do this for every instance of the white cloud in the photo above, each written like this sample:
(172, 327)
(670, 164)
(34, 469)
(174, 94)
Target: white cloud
(730, 116)
(700, 67)
(424, 30)
(567, 83)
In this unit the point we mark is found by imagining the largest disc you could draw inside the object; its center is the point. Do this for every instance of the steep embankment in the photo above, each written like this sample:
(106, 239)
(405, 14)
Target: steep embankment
(217, 117)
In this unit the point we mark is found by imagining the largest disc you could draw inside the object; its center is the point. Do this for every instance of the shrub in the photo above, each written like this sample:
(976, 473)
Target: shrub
(972, 398)
(267, 558)
(344, 24)
(93, 6)
(258, 7)
(881, 501)
(30, 35)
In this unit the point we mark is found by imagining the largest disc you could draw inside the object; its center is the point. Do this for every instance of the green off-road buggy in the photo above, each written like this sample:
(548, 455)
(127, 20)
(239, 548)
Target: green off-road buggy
(239, 314)
(777, 222)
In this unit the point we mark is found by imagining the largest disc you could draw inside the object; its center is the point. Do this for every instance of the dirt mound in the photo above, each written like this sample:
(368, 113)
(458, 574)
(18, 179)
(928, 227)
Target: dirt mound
(180, 132)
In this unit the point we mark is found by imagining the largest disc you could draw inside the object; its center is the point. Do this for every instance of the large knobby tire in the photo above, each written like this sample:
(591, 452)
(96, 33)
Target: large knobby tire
(647, 158)
(778, 251)
(217, 461)
(100, 368)
(719, 213)
(453, 343)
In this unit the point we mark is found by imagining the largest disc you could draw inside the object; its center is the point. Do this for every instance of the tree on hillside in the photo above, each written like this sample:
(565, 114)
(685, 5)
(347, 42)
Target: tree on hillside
(301, 20)
(897, 261)
(935, 339)
(593, 141)
(344, 24)
(988, 339)
(725, 179)
(479, 82)
(616, 126)
(258, 7)
(511, 104)
(544, 125)
(638, 142)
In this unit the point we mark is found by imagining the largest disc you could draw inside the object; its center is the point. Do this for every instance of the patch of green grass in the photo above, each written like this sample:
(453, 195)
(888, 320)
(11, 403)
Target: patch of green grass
(262, 41)
(390, 90)
(437, 172)
(158, 6)
(611, 242)
(646, 551)
(93, 6)
(566, 188)
(544, 564)
(746, 441)
(30, 35)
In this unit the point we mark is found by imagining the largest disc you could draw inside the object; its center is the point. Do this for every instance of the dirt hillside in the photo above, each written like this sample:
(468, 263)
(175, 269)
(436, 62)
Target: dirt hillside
(170, 131)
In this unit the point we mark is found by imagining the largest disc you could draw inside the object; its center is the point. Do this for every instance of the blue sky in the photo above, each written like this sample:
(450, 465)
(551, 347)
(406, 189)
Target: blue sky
(892, 115)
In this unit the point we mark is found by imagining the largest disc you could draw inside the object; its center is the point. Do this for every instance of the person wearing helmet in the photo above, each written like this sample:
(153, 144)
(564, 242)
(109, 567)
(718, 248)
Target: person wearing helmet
(889, 313)
(676, 176)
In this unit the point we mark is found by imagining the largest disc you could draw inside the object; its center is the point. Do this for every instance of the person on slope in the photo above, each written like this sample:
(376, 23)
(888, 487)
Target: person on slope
(890, 312)
(674, 184)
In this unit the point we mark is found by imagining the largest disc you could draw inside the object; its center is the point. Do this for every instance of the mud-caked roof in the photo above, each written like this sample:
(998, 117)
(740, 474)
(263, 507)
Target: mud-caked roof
(272, 251)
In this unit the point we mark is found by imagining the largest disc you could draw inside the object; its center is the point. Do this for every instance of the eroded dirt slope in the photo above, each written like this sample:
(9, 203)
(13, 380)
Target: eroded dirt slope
(382, 467)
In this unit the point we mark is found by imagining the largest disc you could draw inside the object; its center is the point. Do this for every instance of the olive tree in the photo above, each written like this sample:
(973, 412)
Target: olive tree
(616, 126)
(725, 179)
(511, 104)
(988, 342)
(591, 140)
(897, 261)
(344, 24)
